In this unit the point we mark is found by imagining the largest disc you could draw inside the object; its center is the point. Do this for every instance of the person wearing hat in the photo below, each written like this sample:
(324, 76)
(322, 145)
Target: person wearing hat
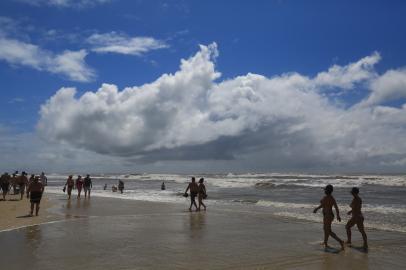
(356, 218)
(327, 203)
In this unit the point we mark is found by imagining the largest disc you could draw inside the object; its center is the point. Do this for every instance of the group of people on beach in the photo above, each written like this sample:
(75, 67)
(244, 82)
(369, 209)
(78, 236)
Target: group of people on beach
(196, 190)
(328, 202)
(21, 184)
(79, 184)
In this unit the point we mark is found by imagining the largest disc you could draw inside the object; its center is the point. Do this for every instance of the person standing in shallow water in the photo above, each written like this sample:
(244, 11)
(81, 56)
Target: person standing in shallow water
(356, 218)
(194, 189)
(121, 186)
(202, 194)
(69, 184)
(35, 189)
(87, 185)
(79, 185)
(327, 203)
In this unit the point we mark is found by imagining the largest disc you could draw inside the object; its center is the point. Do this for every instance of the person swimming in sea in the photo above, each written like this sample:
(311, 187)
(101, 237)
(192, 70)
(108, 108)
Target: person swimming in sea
(194, 190)
(327, 203)
(356, 218)
(163, 186)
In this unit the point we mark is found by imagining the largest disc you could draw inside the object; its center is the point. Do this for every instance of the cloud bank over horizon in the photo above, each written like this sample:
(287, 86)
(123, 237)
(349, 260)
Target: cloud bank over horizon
(286, 121)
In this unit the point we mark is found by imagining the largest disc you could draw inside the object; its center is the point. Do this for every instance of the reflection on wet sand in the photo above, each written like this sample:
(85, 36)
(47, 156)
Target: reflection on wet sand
(197, 222)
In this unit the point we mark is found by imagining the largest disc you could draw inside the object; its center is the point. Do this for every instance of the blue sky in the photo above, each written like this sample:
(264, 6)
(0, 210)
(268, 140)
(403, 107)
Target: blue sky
(132, 43)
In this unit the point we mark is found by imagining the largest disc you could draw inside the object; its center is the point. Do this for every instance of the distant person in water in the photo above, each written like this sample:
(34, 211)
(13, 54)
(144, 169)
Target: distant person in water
(163, 186)
(35, 189)
(327, 203)
(5, 184)
(22, 182)
(194, 189)
(105, 187)
(356, 218)
(69, 185)
(43, 179)
(202, 194)
(87, 185)
(79, 185)
(120, 186)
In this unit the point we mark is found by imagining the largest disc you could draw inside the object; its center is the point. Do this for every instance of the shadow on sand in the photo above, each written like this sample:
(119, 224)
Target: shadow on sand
(25, 216)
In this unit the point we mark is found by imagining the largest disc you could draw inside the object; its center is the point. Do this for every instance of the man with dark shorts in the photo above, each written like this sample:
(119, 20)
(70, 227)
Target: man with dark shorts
(87, 185)
(194, 189)
(35, 189)
(22, 182)
(5, 184)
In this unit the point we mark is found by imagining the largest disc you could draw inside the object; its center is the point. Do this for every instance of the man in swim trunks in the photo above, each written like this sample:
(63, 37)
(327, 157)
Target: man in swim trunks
(194, 189)
(35, 189)
(327, 203)
(356, 218)
(87, 185)
(5, 184)
(22, 182)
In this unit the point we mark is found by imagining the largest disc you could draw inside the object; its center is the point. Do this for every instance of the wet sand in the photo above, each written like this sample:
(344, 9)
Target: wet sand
(103, 233)
(14, 213)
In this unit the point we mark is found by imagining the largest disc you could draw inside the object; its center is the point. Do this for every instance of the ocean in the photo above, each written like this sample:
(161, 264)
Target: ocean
(291, 196)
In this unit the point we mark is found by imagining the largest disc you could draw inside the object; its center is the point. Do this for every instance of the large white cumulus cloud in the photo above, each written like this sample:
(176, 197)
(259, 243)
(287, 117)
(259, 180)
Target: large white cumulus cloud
(191, 114)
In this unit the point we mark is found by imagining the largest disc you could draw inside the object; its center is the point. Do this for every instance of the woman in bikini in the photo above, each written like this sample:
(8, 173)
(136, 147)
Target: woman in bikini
(202, 194)
(70, 184)
(327, 203)
(356, 218)
(79, 185)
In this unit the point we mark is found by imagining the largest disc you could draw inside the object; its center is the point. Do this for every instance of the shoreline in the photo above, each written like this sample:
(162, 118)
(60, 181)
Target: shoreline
(154, 235)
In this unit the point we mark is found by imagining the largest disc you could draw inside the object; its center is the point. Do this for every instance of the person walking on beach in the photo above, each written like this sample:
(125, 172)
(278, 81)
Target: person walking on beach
(79, 185)
(327, 203)
(29, 182)
(194, 189)
(120, 186)
(5, 184)
(22, 182)
(69, 184)
(202, 194)
(35, 189)
(87, 185)
(43, 179)
(13, 182)
(356, 218)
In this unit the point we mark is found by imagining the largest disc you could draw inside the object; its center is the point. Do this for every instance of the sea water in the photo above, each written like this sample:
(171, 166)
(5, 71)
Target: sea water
(284, 195)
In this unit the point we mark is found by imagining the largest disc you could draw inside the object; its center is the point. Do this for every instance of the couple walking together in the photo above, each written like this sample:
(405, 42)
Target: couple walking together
(198, 190)
(328, 202)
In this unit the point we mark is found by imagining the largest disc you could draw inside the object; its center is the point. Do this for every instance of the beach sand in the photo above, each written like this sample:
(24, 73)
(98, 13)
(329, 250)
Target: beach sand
(105, 233)
(14, 213)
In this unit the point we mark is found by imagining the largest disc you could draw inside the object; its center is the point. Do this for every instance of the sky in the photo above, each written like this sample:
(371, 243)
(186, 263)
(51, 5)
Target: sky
(203, 86)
